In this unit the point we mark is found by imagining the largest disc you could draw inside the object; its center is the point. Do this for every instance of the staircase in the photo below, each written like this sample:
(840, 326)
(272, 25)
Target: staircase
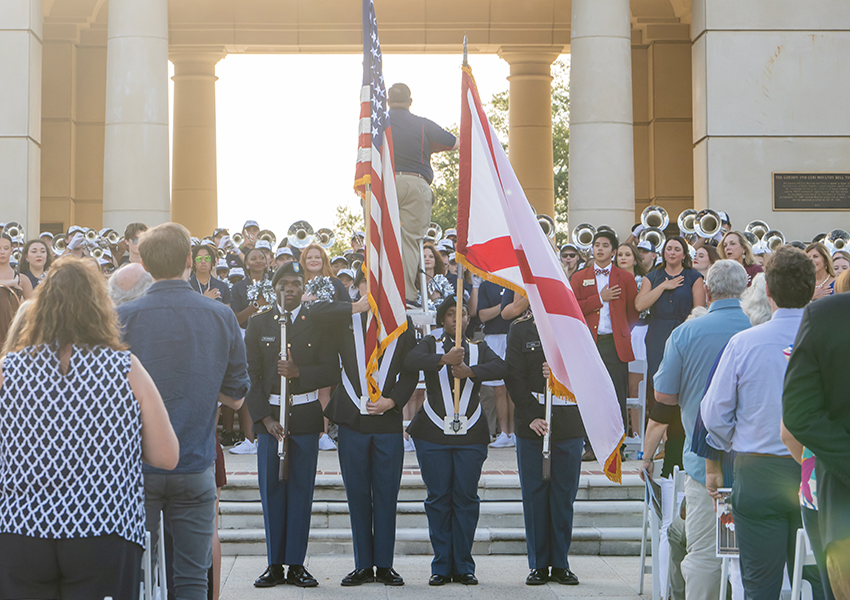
(607, 518)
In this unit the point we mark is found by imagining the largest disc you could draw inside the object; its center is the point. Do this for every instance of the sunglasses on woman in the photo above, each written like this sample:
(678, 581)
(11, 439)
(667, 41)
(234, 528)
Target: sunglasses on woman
(205, 258)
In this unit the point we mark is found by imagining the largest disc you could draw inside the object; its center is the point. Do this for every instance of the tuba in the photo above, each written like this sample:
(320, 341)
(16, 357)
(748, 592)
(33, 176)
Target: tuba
(300, 234)
(110, 235)
(434, 233)
(583, 236)
(325, 237)
(14, 230)
(757, 228)
(547, 224)
(59, 243)
(687, 221)
(839, 238)
(773, 239)
(268, 236)
(707, 223)
(654, 216)
(654, 235)
(750, 237)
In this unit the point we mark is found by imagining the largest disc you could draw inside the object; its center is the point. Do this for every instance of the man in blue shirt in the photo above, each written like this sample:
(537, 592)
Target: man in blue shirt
(414, 140)
(193, 349)
(689, 354)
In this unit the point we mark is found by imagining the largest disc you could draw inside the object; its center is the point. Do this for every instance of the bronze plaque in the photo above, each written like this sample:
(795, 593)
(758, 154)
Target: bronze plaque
(811, 191)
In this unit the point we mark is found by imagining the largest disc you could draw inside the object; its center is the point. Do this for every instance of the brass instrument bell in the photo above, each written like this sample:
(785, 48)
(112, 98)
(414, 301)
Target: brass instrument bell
(655, 216)
(547, 224)
(300, 234)
(325, 237)
(707, 223)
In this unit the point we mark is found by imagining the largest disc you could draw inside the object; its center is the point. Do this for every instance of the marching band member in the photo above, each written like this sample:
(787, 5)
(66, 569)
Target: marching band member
(311, 364)
(451, 464)
(371, 450)
(547, 506)
(202, 279)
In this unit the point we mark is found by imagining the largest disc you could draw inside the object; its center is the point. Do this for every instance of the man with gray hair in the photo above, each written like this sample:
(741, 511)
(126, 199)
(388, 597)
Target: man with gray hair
(128, 283)
(689, 355)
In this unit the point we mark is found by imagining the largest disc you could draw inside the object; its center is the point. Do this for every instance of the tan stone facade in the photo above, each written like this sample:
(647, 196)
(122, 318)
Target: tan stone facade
(81, 133)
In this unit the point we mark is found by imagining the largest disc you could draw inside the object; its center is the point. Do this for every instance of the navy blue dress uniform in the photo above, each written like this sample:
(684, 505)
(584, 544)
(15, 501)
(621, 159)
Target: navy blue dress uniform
(371, 447)
(451, 464)
(287, 505)
(547, 505)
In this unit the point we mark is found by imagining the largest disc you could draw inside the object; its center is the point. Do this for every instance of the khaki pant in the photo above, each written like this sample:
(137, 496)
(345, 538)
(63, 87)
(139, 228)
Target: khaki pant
(700, 567)
(415, 200)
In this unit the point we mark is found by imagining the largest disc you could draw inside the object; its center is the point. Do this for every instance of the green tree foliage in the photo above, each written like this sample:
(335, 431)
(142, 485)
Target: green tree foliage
(445, 164)
(347, 221)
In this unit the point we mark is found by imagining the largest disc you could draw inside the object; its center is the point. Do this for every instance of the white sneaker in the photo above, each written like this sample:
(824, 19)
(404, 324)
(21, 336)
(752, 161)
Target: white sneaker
(503, 441)
(408, 445)
(326, 443)
(244, 447)
(513, 438)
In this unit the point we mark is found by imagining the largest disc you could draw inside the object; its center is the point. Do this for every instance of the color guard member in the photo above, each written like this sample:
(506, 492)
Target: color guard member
(311, 364)
(547, 506)
(371, 448)
(451, 464)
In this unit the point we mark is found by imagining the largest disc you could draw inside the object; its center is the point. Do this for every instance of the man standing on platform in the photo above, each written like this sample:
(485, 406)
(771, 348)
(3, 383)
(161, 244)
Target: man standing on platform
(606, 295)
(414, 140)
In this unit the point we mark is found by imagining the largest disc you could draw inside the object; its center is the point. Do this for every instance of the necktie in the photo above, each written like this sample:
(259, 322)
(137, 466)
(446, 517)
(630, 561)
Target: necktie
(603, 271)
(288, 318)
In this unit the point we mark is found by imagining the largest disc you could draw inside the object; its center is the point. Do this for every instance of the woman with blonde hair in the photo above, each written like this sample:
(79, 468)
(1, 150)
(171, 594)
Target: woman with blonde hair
(824, 271)
(78, 414)
(734, 246)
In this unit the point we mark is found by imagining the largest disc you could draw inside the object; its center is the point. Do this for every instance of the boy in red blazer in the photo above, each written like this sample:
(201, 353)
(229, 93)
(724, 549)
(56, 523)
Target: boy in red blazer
(606, 295)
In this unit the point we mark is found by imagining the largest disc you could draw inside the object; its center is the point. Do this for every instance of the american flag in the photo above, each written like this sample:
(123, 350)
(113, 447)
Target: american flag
(375, 183)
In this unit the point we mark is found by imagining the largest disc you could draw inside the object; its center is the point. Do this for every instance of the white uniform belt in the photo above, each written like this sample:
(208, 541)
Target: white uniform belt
(556, 400)
(297, 399)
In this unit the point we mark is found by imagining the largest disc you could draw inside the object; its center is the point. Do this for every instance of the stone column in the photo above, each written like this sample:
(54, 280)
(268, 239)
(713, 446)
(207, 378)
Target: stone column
(602, 171)
(135, 169)
(20, 112)
(530, 122)
(194, 196)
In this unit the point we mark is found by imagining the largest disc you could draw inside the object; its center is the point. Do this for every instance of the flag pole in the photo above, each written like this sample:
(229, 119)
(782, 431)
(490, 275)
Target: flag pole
(367, 264)
(459, 310)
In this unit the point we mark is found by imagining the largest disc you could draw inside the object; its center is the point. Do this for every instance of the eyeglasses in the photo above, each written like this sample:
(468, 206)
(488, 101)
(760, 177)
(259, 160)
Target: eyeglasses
(204, 258)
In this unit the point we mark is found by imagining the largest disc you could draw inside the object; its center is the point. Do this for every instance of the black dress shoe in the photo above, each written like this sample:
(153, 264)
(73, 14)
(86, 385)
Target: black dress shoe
(388, 576)
(274, 575)
(358, 577)
(439, 580)
(588, 455)
(537, 577)
(299, 576)
(466, 579)
(563, 576)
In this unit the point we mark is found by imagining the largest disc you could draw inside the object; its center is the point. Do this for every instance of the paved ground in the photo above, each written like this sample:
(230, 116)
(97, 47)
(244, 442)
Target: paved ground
(501, 577)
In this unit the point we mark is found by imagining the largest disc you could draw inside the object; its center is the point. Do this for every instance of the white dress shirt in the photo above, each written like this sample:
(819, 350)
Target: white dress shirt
(742, 408)
(604, 312)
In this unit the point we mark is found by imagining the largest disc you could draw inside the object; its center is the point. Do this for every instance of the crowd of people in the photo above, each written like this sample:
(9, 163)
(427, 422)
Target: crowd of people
(128, 361)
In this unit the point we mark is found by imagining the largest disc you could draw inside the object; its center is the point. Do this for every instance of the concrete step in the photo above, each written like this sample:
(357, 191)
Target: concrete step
(329, 488)
(411, 514)
(610, 541)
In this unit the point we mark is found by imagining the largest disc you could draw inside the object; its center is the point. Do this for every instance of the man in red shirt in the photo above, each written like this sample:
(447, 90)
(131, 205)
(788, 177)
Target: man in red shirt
(606, 295)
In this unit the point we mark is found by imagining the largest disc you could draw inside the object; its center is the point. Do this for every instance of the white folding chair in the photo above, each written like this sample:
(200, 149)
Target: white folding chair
(154, 584)
(803, 556)
(652, 525)
(678, 490)
(639, 402)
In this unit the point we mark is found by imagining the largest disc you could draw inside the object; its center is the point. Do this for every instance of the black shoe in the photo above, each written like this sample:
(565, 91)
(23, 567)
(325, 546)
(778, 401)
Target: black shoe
(226, 438)
(588, 456)
(465, 579)
(388, 576)
(537, 577)
(358, 577)
(274, 575)
(298, 576)
(563, 576)
(439, 580)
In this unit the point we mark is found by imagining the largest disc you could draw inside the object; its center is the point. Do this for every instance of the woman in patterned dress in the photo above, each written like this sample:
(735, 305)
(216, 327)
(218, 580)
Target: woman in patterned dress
(78, 414)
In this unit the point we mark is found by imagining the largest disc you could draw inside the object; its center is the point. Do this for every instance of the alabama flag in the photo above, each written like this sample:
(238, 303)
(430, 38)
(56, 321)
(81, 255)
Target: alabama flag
(499, 238)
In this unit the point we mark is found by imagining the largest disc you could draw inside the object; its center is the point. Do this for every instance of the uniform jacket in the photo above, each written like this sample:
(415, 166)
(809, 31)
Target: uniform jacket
(311, 350)
(624, 316)
(399, 385)
(424, 358)
(524, 360)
